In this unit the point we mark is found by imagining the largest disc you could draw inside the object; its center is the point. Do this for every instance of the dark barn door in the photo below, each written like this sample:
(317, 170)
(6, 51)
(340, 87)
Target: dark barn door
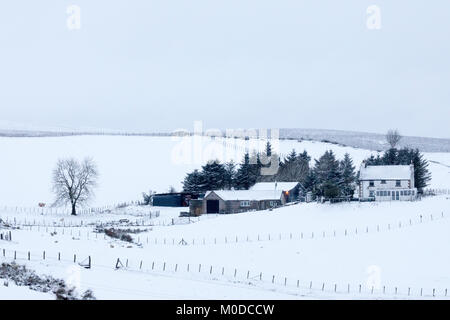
(212, 206)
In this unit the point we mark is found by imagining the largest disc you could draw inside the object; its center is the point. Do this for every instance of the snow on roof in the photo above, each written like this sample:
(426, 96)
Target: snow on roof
(266, 186)
(385, 173)
(256, 195)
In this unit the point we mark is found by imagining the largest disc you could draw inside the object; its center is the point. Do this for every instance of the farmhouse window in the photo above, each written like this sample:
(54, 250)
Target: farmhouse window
(383, 181)
(245, 203)
(398, 183)
(371, 184)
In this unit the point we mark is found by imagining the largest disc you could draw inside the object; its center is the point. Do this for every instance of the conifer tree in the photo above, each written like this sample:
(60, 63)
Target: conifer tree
(230, 175)
(214, 175)
(327, 174)
(348, 176)
(244, 175)
(194, 182)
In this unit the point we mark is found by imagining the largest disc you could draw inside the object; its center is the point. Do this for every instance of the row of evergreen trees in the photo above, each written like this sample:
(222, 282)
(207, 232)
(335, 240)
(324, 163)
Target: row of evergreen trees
(405, 156)
(329, 177)
(332, 178)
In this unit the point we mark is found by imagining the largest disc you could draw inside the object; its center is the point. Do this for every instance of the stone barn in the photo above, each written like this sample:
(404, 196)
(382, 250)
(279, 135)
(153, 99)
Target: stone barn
(234, 201)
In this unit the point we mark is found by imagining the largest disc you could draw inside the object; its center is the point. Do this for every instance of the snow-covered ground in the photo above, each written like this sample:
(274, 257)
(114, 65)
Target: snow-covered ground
(399, 245)
(13, 292)
(326, 251)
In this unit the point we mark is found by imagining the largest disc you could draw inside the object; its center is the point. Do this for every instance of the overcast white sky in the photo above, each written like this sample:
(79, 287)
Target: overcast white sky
(161, 64)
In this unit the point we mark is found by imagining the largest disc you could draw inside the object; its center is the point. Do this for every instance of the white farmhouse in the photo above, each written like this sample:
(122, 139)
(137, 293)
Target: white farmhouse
(387, 183)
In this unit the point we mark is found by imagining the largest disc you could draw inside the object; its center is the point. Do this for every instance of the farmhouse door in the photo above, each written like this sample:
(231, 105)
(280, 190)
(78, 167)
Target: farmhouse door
(212, 206)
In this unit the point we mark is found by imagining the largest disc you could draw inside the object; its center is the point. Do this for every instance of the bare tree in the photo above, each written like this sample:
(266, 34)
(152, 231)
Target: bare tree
(393, 137)
(73, 181)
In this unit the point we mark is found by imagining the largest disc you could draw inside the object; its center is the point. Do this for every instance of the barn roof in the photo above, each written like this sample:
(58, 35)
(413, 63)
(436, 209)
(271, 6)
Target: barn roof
(385, 173)
(282, 186)
(256, 195)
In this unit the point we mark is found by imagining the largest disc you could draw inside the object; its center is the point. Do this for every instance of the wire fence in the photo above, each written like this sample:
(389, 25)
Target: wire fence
(25, 223)
(292, 236)
(143, 239)
(435, 192)
(154, 219)
(234, 275)
(6, 236)
(66, 211)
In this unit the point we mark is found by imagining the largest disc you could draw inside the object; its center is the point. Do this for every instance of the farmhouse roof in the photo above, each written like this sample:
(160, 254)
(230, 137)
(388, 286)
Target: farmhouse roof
(385, 173)
(266, 186)
(256, 195)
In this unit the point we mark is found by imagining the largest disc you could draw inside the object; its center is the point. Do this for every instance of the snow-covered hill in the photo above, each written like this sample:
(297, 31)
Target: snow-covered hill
(365, 140)
(130, 165)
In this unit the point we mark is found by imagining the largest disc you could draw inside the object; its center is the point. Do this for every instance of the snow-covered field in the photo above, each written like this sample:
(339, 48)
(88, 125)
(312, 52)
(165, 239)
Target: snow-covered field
(308, 251)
